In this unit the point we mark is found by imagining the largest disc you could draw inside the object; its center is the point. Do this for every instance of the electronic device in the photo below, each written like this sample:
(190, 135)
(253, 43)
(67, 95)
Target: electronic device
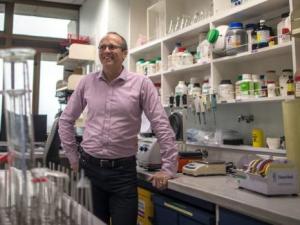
(148, 155)
(201, 168)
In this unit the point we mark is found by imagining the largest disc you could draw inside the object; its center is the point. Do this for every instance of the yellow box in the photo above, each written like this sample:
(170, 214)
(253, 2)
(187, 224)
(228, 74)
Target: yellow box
(145, 207)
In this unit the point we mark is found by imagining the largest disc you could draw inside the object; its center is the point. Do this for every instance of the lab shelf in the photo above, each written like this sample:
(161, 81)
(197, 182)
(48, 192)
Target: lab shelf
(79, 55)
(243, 148)
(257, 54)
(257, 100)
(187, 69)
(146, 48)
(248, 10)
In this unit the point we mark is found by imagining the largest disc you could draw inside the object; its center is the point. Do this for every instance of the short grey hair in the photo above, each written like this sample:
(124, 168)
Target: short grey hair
(124, 42)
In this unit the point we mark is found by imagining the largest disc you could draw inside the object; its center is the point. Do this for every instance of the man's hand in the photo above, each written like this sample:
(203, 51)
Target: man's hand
(75, 166)
(160, 180)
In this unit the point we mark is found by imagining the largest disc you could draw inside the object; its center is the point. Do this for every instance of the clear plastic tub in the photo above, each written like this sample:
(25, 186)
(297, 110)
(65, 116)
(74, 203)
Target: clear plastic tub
(236, 39)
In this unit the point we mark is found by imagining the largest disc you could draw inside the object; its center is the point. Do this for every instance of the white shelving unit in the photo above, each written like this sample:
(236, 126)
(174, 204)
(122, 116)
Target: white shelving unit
(277, 57)
(79, 55)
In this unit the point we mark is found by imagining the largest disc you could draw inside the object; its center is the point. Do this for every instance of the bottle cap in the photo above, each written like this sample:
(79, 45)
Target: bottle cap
(212, 36)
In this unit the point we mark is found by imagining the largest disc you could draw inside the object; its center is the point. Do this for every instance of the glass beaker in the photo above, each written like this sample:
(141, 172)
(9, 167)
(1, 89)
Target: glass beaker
(19, 128)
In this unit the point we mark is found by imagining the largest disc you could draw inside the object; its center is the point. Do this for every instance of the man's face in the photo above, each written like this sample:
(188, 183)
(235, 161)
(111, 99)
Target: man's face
(111, 52)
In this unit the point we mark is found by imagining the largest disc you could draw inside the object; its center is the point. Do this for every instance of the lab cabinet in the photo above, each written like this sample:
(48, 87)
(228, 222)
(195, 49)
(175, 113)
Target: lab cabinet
(175, 212)
(214, 13)
(228, 217)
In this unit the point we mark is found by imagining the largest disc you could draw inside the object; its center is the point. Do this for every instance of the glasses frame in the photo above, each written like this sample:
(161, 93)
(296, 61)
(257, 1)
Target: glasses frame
(110, 47)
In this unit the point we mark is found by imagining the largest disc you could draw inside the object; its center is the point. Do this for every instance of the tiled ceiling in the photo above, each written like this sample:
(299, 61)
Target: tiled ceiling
(75, 2)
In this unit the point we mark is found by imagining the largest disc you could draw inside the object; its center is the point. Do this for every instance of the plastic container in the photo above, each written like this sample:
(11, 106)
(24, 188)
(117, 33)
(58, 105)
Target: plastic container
(196, 90)
(257, 137)
(174, 58)
(193, 80)
(264, 88)
(284, 28)
(246, 86)
(180, 90)
(203, 54)
(236, 39)
(284, 77)
(151, 67)
(226, 91)
(206, 87)
(257, 84)
(139, 66)
(262, 34)
(297, 86)
(271, 88)
(186, 58)
(158, 65)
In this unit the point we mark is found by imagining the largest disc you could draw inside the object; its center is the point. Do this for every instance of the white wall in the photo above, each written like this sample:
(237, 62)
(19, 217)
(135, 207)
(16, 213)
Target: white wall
(97, 17)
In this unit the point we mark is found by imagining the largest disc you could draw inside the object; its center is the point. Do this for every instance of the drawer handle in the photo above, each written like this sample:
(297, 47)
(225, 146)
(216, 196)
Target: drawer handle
(168, 205)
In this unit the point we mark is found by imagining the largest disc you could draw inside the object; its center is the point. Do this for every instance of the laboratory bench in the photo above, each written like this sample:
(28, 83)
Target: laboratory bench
(217, 200)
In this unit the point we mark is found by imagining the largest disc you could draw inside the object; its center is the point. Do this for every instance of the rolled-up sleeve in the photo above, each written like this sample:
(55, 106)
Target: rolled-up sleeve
(161, 126)
(66, 129)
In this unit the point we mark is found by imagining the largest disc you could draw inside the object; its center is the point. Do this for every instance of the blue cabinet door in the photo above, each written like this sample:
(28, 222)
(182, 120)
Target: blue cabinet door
(228, 217)
(165, 216)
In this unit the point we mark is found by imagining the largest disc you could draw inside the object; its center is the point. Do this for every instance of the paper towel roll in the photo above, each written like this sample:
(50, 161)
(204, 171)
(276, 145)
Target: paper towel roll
(291, 123)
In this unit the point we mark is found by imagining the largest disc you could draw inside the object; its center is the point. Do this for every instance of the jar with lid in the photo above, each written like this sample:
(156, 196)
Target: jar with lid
(251, 35)
(151, 67)
(246, 86)
(297, 86)
(236, 39)
(196, 90)
(193, 80)
(180, 90)
(179, 58)
(158, 64)
(187, 58)
(145, 67)
(271, 89)
(206, 87)
(290, 86)
(283, 78)
(264, 88)
(139, 66)
(284, 28)
(257, 85)
(238, 87)
(226, 92)
(262, 34)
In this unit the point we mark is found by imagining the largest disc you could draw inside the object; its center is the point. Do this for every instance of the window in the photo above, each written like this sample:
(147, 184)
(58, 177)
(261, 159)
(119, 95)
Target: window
(44, 21)
(50, 74)
(2, 14)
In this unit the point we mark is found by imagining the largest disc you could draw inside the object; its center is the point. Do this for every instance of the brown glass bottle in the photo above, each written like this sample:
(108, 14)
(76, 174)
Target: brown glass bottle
(290, 86)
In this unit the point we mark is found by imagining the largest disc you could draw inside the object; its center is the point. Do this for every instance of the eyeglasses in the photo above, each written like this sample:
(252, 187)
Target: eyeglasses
(110, 47)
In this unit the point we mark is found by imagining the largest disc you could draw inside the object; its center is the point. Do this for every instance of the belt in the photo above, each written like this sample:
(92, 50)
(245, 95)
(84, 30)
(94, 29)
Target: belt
(106, 163)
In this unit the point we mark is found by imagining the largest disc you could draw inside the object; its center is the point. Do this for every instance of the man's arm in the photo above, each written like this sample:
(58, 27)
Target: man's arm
(66, 130)
(161, 126)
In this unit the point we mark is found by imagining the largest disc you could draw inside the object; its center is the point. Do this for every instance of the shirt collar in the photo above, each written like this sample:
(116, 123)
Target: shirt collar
(122, 76)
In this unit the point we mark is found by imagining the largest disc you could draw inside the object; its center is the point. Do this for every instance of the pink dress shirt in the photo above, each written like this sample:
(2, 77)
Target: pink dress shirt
(114, 118)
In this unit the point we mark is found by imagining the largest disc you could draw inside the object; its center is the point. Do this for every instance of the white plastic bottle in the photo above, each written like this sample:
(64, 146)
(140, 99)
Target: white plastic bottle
(180, 90)
(246, 86)
(174, 59)
(206, 86)
(203, 54)
(257, 85)
(284, 28)
(193, 80)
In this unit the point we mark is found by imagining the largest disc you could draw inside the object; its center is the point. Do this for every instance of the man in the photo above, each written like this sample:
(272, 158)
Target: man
(116, 99)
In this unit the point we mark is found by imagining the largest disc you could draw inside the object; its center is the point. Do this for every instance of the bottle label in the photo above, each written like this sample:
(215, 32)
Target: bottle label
(256, 87)
(263, 36)
(245, 88)
(233, 41)
(290, 88)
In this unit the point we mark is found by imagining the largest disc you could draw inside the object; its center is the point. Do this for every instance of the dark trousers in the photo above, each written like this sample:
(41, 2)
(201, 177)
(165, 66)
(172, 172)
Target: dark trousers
(114, 190)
